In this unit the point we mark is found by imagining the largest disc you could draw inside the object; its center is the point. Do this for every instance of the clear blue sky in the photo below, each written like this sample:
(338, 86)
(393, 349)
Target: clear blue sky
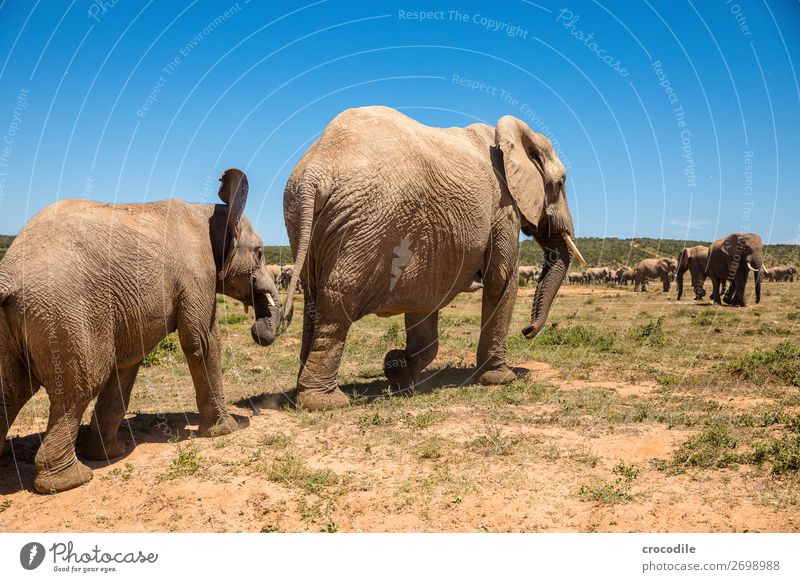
(250, 84)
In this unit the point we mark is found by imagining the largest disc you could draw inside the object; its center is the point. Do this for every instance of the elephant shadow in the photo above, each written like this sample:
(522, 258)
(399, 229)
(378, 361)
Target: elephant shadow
(370, 388)
(17, 468)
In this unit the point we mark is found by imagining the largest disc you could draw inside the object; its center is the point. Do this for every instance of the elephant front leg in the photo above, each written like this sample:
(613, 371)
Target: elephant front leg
(57, 467)
(102, 441)
(203, 350)
(497, 307)
(403, 367)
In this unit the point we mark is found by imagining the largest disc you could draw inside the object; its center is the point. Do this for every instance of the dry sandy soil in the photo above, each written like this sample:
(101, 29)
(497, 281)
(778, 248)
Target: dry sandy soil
(627, 417)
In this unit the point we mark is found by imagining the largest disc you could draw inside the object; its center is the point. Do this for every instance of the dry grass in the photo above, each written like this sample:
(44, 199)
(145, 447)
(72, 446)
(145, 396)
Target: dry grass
(639, 413)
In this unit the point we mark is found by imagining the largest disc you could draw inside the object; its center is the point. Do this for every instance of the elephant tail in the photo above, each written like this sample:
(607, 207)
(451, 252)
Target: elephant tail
(308, 195)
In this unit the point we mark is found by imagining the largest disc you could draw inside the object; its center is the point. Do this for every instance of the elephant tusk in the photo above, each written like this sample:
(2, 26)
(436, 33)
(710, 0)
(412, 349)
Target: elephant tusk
(751, 268)
(270, 300)
(573, 249)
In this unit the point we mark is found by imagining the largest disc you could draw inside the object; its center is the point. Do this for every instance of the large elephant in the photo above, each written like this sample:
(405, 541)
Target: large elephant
(87, 290)
(782, 273)
(648, 269)
(694, 260)
(389, 216)
(732, 258)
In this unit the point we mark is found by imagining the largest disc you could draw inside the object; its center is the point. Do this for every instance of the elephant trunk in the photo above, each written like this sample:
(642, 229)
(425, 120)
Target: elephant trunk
(756, 264)
(268, 319)
(554, 269)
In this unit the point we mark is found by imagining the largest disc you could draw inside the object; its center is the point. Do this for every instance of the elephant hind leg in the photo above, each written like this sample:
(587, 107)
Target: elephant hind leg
(403, 367)
(57, 467)
(102, 441)
(316, 384)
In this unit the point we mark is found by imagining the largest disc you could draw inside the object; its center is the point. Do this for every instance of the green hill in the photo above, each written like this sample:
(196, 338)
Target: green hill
(612, 252)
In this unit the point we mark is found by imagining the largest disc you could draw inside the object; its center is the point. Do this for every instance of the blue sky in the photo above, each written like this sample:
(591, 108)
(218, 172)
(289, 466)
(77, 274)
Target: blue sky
(674, 119)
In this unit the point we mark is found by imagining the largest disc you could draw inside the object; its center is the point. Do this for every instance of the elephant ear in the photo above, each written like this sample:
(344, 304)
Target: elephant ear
(524, 155)
(233, 192)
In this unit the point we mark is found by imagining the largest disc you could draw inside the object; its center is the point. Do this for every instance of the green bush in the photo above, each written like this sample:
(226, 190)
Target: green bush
(163, 351)
(779, 364)
(576, 336)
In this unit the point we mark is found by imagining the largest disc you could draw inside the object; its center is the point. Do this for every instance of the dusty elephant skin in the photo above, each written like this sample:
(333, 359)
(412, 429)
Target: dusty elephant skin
(731, 259)
(651, 269)
(87, 290)
(694, 260)
(388, 216)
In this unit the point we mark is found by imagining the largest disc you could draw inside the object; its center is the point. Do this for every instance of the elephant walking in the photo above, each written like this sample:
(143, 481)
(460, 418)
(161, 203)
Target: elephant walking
(597, 275)
(732, 258)
(526, 273)
(694, 260)
(388, 216)
(624, 275)
(648, 269)
(87, 290)
(782, 273)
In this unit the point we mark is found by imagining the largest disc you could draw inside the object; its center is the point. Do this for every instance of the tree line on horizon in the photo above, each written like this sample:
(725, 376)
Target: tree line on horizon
(611, 252)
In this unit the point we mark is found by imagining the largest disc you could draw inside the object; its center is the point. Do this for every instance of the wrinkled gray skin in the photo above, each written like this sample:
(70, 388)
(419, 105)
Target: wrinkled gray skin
(782, 273)
(528, 273)
(648, 269)
(732, 258)
(694, 260)
(388, 216)
(88, 289)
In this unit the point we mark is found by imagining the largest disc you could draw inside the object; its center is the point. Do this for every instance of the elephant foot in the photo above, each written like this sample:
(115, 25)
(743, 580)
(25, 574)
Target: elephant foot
(312, 400)
(226, 424)
(96, 448)
(74, 475)
(398, 370)
(502, 375)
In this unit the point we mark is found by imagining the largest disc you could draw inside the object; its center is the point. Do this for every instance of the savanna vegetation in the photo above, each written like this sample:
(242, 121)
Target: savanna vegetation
(633, 412)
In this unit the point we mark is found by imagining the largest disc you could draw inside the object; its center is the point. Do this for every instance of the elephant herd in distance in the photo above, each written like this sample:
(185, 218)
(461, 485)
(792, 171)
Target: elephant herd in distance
(727, 262)
(385, 216)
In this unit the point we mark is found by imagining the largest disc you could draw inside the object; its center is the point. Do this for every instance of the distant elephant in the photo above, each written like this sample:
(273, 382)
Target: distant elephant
(651, 269)
(694, 260)
(575, 278)
(389, 216)
(597, 275)
(87, 290)
(527, 273)
(624, 275)
(782, 273)
(732, 258)
(274, 271)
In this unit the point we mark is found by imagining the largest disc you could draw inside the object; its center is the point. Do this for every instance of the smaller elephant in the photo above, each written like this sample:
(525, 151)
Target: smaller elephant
(575, 278)
(286, 276)
(598, 275)
(274, 271)
(648, 269)
(782, 273)
(526, 273)
(694, 260)
(87, 290)
(624, 275)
